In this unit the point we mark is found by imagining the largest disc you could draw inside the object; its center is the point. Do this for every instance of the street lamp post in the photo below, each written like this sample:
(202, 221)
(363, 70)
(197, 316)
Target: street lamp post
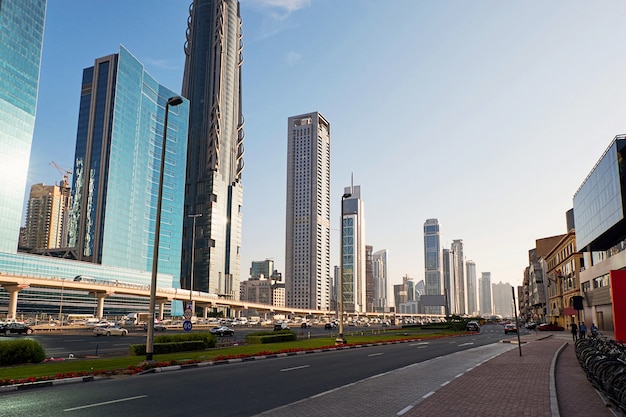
(172, 101)
(193, 251)
(340, 340)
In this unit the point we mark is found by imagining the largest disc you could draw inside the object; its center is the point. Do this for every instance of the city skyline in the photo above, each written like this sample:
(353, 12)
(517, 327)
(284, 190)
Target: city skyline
(547, 100)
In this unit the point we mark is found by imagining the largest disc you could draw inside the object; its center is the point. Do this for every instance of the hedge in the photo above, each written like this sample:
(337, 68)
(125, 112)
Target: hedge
(271, 337)
(17, 352)
(182, 342)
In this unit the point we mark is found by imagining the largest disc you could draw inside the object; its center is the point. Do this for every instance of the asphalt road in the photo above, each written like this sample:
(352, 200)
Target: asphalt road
(240, 389)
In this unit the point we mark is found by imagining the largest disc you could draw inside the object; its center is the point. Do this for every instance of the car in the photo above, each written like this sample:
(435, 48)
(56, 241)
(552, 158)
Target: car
(19, 328)
(531, 325)
(510, 328)
(222, 331)
(305, 325)
(280, 326)
(158, 327)
(109, 331)
(329, 326)
(472, 326)
(550, 327)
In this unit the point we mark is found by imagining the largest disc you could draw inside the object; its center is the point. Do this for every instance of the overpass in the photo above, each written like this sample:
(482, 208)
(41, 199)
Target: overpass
(14, 283)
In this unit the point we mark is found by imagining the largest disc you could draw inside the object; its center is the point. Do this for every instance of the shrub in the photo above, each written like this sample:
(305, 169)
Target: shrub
(21, 351)
(183, 342)
(271, 337)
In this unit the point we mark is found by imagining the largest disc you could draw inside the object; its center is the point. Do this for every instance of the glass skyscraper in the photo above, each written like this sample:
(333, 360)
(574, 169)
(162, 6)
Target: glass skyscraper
(21, 40)
(432, 262)
(213, 189)
(117, 165)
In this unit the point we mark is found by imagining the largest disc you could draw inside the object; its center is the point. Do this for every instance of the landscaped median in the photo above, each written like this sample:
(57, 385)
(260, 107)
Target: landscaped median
(52, 370)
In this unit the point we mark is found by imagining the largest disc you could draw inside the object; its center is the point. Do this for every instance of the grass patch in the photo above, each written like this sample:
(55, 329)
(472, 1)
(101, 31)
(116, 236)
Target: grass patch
(132, 364)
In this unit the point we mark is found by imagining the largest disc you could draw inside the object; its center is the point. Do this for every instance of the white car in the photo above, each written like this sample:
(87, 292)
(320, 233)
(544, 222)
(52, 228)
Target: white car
(109, 331)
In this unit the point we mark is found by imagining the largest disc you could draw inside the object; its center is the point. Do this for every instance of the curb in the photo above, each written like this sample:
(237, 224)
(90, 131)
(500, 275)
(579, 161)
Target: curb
(42, 384)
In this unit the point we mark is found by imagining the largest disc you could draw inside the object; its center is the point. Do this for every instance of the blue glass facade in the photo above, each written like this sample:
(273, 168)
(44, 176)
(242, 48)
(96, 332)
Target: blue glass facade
(432, 262)
(117, 164)
(599, 202)
(21, 39)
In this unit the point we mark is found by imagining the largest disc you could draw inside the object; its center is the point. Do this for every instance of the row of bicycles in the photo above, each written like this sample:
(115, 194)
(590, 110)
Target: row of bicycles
(604, 363)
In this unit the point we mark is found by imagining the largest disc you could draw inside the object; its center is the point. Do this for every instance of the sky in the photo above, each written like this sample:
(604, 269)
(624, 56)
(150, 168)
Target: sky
(486, 115)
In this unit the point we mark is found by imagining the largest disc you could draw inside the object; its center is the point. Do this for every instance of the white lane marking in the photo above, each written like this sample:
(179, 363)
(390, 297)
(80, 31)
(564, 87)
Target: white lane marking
(444, 384)
(418, 344)
(466, 344)
(404, 410)
(459, 375)
(106, 403)
(295, 368)
(428, 395)
(376, 354)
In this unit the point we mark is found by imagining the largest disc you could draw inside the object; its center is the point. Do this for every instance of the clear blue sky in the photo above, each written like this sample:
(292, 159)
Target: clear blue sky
(487, 115)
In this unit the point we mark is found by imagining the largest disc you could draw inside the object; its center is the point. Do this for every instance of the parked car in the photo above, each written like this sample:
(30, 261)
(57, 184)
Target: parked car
(510, 328)
(305, 325)
(473, 326)
(109, 331)
(19, 328)
(280, 326)
(222, 331)
(531, 325)
(158, 327)
(329, 326)
(550, 327)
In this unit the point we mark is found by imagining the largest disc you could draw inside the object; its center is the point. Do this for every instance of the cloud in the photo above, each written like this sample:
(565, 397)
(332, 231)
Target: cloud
(293, 58)
(285, 7)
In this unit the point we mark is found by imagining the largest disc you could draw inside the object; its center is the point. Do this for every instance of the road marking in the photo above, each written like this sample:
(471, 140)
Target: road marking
(418, 344)
(444, 384)
(82, 407)
(404, 410)
(294, 368)
(376, 354)
(428, 395)
(466, 344)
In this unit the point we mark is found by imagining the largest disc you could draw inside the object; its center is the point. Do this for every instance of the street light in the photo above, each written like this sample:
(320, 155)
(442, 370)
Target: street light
(172, 101)
(340, 340)
(193, 251)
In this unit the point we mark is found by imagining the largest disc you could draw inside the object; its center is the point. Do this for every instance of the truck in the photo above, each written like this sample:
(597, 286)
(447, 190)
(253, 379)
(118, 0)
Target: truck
(136, 319)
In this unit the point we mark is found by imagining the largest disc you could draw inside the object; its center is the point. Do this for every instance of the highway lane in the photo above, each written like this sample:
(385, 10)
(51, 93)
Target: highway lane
(250, 388)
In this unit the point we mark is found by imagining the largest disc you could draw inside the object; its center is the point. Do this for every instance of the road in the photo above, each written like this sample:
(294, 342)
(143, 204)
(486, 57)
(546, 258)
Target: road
(273, 386)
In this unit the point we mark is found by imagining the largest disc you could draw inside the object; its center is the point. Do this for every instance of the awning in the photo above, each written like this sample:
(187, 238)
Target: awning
(570, 311)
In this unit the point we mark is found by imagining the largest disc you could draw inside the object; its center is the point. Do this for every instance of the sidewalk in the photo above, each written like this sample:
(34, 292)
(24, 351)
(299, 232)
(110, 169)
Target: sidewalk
(546, 381)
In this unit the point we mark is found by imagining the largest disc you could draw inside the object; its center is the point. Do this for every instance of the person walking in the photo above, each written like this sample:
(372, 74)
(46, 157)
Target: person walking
(574, 330)
(594, 330)
(582, 330)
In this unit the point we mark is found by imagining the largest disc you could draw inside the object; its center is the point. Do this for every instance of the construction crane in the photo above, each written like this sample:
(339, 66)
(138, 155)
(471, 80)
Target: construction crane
(65, 172)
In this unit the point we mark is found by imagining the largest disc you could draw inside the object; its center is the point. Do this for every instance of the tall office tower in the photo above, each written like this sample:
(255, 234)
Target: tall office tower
(502, 300)
(47, 217)
(334, 289)
(379, 271)
(117, 167)
(458, 276)
(353, 224)
(307, 233)
(213, 188)
(265, 268)
(432, 262)
(21, 31)
(446, 263)
(484, 291)
(470, 268)
(369, 278)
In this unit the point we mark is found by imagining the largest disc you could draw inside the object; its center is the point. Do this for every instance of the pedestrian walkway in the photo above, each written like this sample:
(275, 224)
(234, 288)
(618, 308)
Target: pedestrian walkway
(488, 381)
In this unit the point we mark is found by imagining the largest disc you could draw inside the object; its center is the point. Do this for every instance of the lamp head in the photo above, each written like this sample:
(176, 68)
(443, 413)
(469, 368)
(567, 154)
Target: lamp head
(174, 101)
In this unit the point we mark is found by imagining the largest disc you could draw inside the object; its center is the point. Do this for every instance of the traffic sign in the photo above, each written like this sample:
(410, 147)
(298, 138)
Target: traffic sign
(188, 313)
(187, 325)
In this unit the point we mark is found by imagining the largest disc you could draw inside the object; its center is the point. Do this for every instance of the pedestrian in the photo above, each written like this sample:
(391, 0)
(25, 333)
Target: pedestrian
(594, 330)
(574, 329)
(582, 330)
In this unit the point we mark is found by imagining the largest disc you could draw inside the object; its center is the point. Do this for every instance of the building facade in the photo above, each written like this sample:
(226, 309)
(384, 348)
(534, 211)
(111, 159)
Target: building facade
(484, 291)
(307, 240)
(353, 251)
(213, 187)
(502, 300)
(472, 306)
(380, 262)
(21, 31)
(432, 262)
(446, 268)
(369, 278)
(47, 217)
(458, 277)
(117, 168)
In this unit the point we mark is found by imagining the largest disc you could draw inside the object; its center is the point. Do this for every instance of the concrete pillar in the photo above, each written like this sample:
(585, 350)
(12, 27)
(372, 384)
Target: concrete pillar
(13, 290)
(161, 309)
(100, 310)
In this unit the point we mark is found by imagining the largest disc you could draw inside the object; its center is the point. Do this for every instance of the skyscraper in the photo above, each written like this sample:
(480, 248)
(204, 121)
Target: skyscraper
(117, 166)
(470, 268)
(379, 260)
(307, 240)
(458, 276)
(432, 262)
(213, 188)
(369, 278)
(446, 264)
(46, 217)
(21, 31)
(354, 255)
(484, 290)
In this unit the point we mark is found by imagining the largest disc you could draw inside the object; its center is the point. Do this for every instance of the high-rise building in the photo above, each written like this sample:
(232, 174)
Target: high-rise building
(47, 217)
(502, 300)
(446, 264)
(380, 262)
(472, 307)
(21, 31)
(117, 168)
(369, 278)
(307, 240)
(213, 188)
(354, 258)
(432, 262)
(458, 276)
(264, 268)
(484, 290)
